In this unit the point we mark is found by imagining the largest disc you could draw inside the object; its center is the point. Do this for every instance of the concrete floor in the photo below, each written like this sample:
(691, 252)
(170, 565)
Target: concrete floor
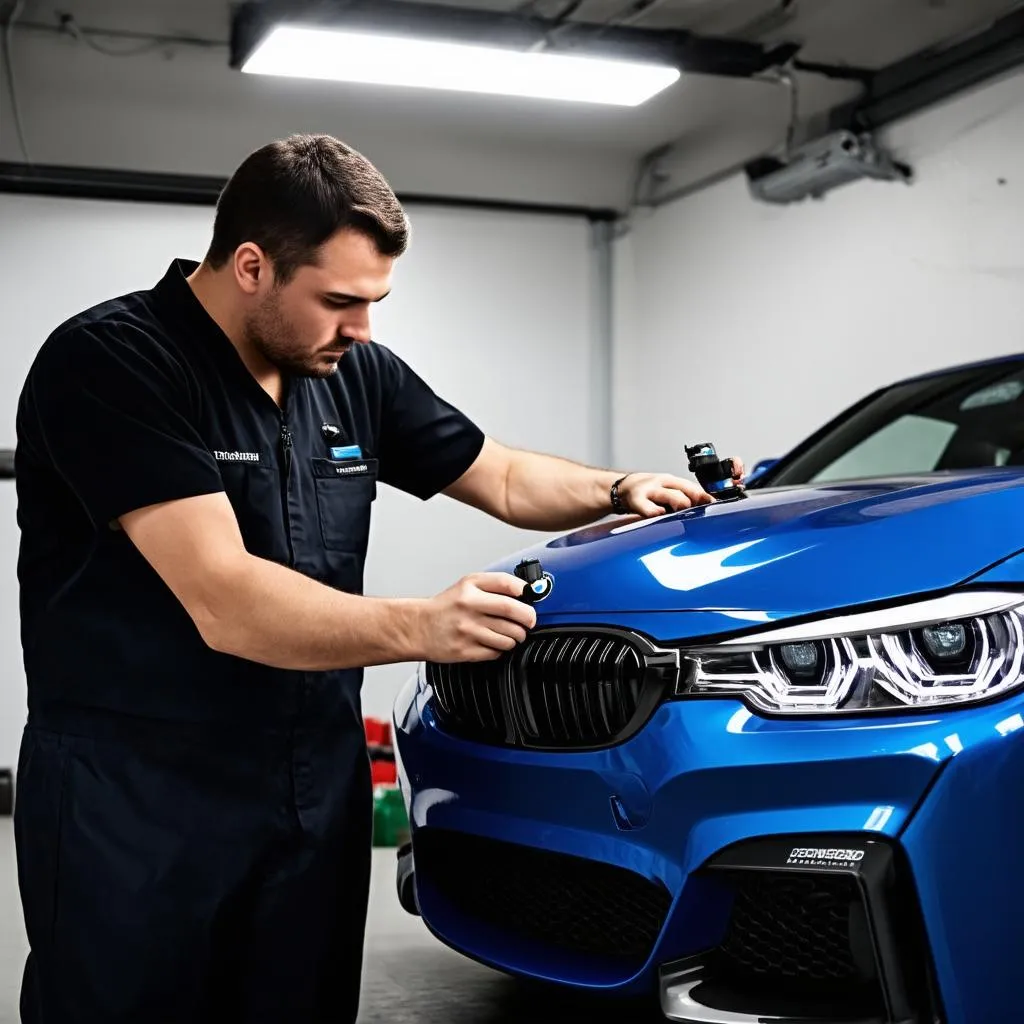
(409, 975)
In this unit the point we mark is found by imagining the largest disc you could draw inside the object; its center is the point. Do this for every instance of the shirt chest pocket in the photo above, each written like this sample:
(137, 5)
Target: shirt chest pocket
(345, 491)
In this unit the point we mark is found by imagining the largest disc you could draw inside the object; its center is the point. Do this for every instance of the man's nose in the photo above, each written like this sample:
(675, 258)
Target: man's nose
(358, 328)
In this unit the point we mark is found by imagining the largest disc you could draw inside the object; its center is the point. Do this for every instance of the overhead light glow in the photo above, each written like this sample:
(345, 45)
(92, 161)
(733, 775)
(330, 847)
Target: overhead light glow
(301, 52)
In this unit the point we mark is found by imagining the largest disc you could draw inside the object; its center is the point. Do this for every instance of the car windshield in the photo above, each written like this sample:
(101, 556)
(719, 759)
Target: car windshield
(962, 420)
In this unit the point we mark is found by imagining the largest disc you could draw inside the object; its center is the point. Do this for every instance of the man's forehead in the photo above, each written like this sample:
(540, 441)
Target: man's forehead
(347, 246)
(348, 272)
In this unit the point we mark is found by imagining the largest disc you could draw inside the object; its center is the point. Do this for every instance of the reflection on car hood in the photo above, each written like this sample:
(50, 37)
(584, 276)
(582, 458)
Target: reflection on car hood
(787, 551)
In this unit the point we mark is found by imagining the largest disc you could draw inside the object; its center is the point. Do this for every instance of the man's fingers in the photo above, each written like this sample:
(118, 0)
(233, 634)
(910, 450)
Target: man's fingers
(692, 490)
(497, 583)
(500, 606)
(664, 497)
(682, 498)
(489, 639)
(648, 508)
(480, 652)
(500, 633)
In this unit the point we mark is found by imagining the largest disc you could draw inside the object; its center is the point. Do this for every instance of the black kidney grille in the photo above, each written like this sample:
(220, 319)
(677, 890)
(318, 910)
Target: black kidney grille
(468, 698)
(795, 927)
(552, 899)
(577, 689)
(559, 690)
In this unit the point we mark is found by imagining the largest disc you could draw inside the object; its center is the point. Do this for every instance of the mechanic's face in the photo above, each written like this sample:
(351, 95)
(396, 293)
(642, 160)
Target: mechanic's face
(305, 326)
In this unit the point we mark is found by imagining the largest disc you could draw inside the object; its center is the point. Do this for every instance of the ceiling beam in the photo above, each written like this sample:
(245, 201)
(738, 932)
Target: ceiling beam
(194, 189)
(924, 79)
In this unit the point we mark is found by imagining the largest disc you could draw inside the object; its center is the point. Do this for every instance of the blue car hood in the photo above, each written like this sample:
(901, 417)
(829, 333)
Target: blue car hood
(787, 551)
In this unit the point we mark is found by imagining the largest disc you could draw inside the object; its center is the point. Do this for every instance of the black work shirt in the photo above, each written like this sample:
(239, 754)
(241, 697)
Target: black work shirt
(142, 400)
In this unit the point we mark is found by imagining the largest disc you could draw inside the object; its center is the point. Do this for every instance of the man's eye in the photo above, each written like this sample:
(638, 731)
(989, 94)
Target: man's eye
(337, 303)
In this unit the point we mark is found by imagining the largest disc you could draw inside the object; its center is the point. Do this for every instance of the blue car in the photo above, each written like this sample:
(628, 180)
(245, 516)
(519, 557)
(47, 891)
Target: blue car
(761, 760)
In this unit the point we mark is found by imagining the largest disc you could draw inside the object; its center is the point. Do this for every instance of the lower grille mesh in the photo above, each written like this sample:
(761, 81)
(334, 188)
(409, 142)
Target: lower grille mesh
(835, 940)
(791, 927)
(549, 898)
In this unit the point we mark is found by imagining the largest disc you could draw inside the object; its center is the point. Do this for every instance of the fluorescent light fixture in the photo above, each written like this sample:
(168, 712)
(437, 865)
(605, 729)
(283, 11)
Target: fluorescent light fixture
(301, 52)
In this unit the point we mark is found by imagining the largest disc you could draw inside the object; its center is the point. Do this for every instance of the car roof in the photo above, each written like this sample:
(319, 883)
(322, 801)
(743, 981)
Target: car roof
(1017, 357)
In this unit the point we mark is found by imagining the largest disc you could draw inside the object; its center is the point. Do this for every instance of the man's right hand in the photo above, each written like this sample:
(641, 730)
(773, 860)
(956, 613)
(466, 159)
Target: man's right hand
(478, 618)
(256, 609)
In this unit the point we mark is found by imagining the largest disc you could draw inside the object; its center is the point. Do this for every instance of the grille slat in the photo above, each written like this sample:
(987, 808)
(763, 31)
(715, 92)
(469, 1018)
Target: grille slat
(602, 688)
(549, 668)
(575, 668)
(493, 705)
(586, 689)
(562, 684)
(564, 689)
(460, 699)
(439, 690)
(528, 710)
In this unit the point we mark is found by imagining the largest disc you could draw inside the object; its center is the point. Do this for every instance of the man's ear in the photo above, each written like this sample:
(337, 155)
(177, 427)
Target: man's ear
(252, 268)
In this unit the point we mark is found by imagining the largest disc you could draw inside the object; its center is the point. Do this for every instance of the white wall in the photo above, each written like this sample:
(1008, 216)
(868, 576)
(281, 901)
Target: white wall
(481, 301)
(749, 325)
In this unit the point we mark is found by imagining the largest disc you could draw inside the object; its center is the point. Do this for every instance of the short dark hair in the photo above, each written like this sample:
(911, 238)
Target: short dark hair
(291, 195)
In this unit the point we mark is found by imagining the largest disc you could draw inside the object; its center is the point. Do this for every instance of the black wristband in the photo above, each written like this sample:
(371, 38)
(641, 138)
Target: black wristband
(617, 505)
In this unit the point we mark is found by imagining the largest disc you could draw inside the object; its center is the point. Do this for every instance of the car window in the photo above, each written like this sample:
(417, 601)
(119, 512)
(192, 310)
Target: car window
(963, 419)
(907, 445)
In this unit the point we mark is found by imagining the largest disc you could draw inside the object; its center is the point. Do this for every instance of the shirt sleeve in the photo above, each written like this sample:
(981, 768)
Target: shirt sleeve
(425, 443)
(109, 410)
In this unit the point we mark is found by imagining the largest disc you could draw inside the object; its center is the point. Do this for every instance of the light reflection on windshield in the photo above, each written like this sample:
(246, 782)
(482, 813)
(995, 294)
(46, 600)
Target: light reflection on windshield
(968, 419)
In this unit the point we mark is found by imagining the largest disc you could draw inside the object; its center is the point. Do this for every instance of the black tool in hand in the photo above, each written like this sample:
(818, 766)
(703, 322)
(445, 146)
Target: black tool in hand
(715, 475)
(538, 582)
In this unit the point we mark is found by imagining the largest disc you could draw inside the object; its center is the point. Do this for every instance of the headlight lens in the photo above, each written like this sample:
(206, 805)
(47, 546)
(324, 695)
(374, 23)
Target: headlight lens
(951, 651)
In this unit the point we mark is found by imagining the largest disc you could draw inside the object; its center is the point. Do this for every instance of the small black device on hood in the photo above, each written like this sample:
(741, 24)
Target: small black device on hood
(715, 475)
(538, 582)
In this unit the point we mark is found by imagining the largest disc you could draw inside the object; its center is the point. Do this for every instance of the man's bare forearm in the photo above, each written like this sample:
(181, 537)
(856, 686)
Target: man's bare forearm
(544, 492)
(264, 612)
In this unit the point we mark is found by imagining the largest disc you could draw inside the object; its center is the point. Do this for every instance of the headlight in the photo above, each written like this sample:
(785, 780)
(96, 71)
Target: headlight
(950, 651)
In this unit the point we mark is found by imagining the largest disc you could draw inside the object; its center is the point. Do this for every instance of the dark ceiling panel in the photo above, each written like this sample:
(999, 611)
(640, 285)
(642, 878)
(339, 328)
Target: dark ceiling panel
(857, 33)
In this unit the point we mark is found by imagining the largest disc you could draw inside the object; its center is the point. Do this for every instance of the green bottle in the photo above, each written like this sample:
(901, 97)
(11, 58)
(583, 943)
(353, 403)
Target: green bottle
(390, 822)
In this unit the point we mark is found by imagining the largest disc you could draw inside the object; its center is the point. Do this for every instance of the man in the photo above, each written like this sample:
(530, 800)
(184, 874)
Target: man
(196, 465)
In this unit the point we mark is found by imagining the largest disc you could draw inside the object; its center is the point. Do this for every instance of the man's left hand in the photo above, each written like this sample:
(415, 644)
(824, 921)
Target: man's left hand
(650, 494)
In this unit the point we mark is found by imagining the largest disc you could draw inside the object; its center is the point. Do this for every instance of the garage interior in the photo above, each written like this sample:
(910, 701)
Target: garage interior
(601, 282)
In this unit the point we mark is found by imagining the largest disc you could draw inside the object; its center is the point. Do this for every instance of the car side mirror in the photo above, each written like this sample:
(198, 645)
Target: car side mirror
(760, 469)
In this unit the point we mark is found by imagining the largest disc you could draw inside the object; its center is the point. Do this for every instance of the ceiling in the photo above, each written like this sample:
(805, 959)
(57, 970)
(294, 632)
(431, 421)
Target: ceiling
(858, 33)
(713, 123)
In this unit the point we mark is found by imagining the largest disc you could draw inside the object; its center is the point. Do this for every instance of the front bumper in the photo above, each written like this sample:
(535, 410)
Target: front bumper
(701, 779)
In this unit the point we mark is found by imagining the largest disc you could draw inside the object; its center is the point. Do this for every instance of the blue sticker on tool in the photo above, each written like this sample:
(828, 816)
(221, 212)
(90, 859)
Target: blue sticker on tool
(350, 451)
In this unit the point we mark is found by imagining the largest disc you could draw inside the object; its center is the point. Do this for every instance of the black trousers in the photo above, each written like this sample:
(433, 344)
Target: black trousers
(173, 877)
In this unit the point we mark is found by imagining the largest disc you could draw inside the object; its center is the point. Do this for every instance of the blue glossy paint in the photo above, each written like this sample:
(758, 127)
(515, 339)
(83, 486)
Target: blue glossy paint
(702, 774)
(711, 774)
(1008, 572)
(965, 846)
(790, 551)
(997, 361)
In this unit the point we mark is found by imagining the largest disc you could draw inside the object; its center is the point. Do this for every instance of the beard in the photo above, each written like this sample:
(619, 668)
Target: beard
(277, 340)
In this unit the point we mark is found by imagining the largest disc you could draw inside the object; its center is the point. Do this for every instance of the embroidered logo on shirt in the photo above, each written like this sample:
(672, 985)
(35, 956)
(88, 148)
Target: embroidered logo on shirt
(237, 456)
(345, 470)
